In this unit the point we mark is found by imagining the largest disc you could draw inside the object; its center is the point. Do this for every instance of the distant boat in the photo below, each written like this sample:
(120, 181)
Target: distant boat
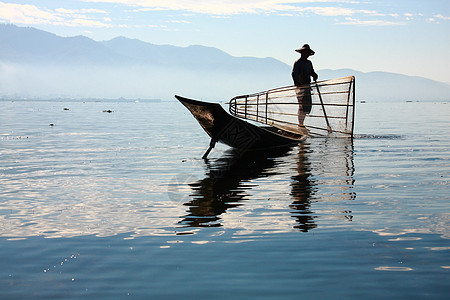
(277, 110)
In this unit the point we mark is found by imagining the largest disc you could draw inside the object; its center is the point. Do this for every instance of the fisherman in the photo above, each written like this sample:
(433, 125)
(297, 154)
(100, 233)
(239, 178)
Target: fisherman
(301, 74)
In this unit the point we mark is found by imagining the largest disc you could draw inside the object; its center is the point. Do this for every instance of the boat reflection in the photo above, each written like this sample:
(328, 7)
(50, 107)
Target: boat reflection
(316, 171)
(225, 184)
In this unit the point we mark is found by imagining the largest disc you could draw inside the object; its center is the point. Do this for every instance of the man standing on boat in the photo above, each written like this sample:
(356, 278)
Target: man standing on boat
(301, 74)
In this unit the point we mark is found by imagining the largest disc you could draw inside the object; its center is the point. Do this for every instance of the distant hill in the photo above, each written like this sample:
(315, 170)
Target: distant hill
(392, 86)
(192, 57)
(35, 63)
(30, 45)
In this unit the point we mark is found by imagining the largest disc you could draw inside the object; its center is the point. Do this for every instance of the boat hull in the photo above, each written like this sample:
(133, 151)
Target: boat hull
(235, 132)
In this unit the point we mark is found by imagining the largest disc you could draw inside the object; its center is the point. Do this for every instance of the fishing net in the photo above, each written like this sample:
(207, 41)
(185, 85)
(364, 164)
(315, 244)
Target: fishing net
(320, 109)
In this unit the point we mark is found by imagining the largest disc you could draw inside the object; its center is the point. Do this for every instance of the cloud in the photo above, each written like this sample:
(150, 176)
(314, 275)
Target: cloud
(90, 17)
(441, 17)
(288, 8)
(81, 22)
(179, 22)
(26, 14)
(329, 11)
(83, 11)
(232, 7)
(31, 15)
(437, 19)
(352, 21)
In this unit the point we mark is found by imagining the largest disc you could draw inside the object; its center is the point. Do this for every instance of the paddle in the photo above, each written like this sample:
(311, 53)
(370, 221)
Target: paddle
(212, 144)
(323, 106)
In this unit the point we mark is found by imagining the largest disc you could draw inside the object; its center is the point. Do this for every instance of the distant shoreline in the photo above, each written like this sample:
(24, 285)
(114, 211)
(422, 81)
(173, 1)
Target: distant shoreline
(80, 100)
(124, 100)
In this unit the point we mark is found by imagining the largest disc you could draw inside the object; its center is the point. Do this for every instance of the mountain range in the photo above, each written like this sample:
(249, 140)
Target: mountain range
(36, 63)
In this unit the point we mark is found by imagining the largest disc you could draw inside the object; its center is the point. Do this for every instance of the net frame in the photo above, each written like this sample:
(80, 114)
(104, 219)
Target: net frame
(332, 108)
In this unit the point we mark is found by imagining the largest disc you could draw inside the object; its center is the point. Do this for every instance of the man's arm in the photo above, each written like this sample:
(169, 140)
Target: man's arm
(314, 74)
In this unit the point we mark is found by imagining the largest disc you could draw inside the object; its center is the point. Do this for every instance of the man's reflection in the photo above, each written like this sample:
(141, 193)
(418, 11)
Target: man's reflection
(301, 190)
(324, 174)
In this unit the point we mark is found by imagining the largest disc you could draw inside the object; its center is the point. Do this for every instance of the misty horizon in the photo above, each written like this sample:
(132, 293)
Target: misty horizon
(39, 64)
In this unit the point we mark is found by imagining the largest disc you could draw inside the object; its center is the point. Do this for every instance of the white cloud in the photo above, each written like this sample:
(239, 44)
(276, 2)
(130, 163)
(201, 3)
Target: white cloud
(89, 17)
(441, 17)
(226, 8)
(221, 17)
(92, 11)
(329, 11)
(437, 19)
(231, 7)
(352, 21)
(26, 14)
(83, 11)
(31, 15)
(146, 9)
(179, 22)
(84, 23)
(65, 11)
(155, 26)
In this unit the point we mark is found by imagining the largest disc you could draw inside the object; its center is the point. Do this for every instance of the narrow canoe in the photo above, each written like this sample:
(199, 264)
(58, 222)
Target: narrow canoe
(235, 132)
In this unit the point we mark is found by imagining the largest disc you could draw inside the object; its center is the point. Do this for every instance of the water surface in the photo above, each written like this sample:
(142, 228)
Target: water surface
(97, 204)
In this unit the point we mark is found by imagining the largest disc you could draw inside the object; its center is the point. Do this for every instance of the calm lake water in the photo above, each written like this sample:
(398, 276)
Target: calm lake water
(121, 205)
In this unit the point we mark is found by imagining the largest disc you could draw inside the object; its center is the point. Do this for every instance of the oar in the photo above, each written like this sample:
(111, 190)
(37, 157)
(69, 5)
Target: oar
(323, 107)
(211, 146)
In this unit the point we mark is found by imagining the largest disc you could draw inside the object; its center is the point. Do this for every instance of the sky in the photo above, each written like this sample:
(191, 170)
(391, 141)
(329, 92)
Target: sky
(410, 37)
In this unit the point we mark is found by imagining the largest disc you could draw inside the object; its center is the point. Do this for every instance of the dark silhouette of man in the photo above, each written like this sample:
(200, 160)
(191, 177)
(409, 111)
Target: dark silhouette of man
(302, 72)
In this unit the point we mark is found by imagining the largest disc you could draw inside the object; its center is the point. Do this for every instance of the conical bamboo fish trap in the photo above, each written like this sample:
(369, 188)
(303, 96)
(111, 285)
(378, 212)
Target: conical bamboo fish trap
(332, 108)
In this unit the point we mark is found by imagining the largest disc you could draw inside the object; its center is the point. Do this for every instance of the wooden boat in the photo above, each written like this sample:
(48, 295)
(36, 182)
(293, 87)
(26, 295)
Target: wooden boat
(281, 113)
(235, 132)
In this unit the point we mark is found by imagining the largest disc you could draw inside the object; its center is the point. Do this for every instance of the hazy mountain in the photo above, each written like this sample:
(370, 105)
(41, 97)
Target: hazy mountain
(35, 63)
(392, 86)
(30, 45)
(192, 57)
